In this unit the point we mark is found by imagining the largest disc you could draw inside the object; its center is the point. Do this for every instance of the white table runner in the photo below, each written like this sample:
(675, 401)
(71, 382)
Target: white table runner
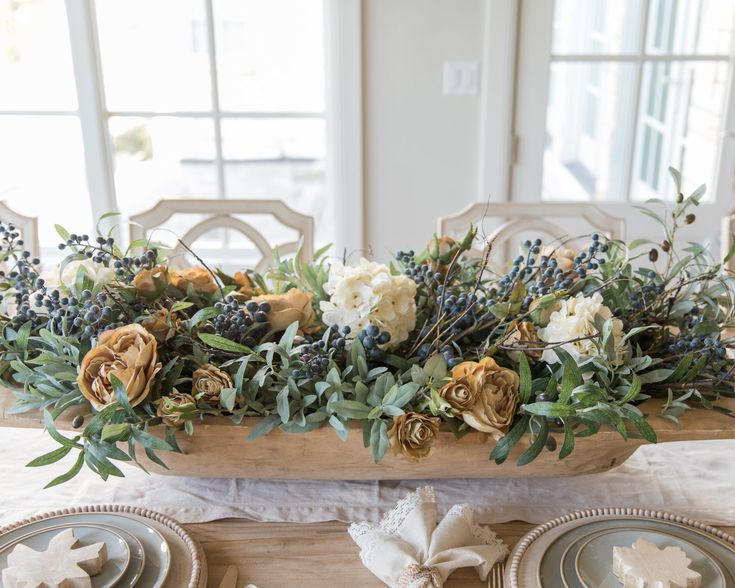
(694, 479)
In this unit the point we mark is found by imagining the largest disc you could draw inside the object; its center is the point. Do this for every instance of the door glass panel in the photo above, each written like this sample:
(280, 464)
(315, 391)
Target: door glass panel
(36, 71)
(689, 26)
(596, 26)
(588, 131)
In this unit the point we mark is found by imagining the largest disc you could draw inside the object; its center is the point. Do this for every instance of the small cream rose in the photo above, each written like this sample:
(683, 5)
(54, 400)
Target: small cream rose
(128, 353)
(208, 381)
(171, 408)
(198, 278)
(287, 308)
(497, 400)
(413, 435)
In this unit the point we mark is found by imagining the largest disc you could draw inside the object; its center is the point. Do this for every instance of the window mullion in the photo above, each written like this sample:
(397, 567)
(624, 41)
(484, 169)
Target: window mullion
(212, 52)
(92, 114)
(633, 125)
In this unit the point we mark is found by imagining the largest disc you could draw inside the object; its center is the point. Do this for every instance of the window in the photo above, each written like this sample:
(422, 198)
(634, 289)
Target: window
(638, 86)
(103, 108)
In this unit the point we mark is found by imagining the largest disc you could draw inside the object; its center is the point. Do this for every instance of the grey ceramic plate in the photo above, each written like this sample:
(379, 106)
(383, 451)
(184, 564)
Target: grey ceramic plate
(118, 551)
(575, 551)
(157, 560)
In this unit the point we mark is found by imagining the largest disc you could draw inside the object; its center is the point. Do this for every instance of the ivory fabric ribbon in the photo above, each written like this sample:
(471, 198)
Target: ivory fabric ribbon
(410, 549)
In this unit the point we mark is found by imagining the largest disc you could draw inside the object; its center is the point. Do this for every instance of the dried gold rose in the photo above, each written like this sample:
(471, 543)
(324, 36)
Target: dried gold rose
(523, 336)
(287, 308)
(440, 246)
(151, 282)
(245, 286)
(173, 407)
(128, 353)
(198, 277)
(413, 434)
(208, 381)
(162, 324)
(461, 393)
(497, 400)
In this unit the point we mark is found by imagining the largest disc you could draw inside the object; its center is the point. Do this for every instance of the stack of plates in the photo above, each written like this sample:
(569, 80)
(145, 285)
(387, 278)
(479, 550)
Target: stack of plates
(144, 548)
(576, 550)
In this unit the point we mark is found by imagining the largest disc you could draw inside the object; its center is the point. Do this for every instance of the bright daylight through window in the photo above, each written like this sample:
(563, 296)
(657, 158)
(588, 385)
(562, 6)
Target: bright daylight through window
(200, 99)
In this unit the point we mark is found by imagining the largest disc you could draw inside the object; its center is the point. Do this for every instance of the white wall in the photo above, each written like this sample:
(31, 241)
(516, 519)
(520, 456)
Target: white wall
(421, 148)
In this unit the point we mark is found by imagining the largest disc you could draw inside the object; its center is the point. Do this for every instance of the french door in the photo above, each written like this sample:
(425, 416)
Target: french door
(610, 93)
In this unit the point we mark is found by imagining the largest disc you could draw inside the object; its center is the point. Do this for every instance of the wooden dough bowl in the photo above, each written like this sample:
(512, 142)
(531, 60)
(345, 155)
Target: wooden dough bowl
(219, 449)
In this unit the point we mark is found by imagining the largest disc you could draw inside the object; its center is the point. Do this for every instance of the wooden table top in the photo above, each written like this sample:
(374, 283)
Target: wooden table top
(276, 555)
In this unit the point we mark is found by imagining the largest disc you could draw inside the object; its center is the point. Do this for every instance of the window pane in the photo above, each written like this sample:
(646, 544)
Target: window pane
(279, 158)
(270, 55)
(680, 124)
(588, 131)
(689, 26)
(154, 55)
(44, 174)
(162, 157)
(36, 71)
(596, 26)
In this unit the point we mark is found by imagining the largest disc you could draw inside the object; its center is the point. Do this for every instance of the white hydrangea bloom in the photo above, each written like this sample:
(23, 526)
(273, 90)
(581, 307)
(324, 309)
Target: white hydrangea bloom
(575, 318)
(97, 272)
(367, 294)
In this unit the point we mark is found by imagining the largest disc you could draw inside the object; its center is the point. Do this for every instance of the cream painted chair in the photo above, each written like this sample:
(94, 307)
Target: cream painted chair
(511, 218)
(223, 214)
(28, 226)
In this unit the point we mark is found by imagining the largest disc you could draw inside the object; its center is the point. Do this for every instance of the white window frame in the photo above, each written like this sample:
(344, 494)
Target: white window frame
(502, 145)
(343, 114)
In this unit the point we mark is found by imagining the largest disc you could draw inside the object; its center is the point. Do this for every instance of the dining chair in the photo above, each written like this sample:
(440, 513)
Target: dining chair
(214, 214)
(27, 225)
(561, 222)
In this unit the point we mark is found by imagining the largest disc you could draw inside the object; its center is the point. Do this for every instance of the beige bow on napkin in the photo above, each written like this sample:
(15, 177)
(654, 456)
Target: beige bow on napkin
(408, 549)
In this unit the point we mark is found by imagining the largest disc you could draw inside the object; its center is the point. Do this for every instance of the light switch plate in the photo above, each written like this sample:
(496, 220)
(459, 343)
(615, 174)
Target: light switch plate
(461, 78)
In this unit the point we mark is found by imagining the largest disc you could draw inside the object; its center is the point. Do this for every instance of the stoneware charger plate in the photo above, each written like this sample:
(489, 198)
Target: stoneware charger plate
(172, 558)
(575, 550)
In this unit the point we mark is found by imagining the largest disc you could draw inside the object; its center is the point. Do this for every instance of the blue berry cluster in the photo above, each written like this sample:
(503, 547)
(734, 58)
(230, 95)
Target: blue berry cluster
(70, 316)
(21, 276)
(101, 251)
(421, 273)
(648, 293)
(710, 346)
(371, 337)
(316, 355)
(127, 267)
(245, 324)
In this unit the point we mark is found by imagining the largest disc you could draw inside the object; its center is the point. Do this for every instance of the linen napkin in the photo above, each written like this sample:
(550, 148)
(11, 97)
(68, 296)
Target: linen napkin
(409, 549)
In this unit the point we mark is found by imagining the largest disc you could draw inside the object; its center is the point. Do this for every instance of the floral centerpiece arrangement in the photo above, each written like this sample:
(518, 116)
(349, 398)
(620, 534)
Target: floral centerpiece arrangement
(559, 340)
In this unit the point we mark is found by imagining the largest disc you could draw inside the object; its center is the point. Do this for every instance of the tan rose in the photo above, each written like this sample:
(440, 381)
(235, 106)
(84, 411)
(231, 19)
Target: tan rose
(245, 286)
(413, 434)
(441, 247)
(208, 381)
(130, 354)
(198, 277)
(461, 393)
(151, 282)
(287, 308)
(162, 324)
(522, 334)
(174, 409)
(497, 400)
